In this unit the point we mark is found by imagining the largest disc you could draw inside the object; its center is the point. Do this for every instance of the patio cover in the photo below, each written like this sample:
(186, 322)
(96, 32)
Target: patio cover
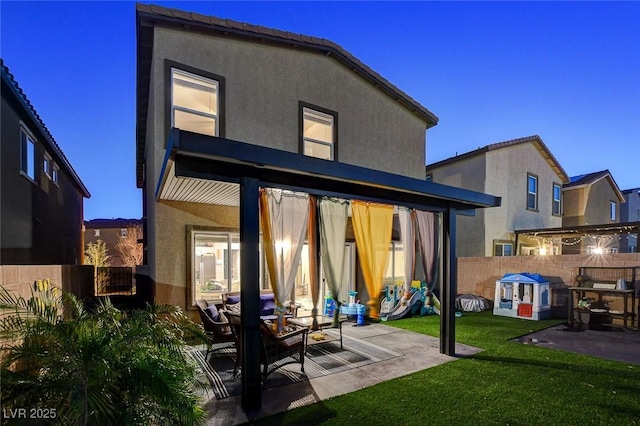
(196, 165)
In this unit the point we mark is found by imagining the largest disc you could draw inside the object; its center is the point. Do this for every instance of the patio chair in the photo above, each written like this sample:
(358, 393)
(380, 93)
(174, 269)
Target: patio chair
(219, 332)
(276, 350)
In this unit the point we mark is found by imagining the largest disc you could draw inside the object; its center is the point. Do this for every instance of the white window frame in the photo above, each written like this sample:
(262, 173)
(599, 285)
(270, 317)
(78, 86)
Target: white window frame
(55, 173)
(556, 201)
(216, 83)
(307, 111)
(47, 165)
(123, 232)
(612, 210)
(502, 245)
(30, 162)
(534, 193)
(96, 232)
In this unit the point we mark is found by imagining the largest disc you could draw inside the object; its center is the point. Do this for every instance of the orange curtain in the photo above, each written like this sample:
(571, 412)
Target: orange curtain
(312, 239)
(372, 226)
(267, 240)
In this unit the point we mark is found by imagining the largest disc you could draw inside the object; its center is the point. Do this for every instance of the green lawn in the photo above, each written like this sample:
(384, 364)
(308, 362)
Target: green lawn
(506, 384)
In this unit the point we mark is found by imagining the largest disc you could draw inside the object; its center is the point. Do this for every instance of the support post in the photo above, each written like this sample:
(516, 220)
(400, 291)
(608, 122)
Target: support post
(250, 293)
(449, 284)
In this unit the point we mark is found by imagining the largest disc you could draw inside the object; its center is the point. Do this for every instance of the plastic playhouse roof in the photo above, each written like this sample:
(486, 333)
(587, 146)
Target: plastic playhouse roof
(523, 277)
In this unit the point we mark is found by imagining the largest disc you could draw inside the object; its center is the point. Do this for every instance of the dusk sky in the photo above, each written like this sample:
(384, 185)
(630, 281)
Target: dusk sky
(491, 71)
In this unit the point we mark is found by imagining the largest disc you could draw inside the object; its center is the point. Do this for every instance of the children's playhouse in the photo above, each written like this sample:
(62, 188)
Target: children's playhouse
(522, 295)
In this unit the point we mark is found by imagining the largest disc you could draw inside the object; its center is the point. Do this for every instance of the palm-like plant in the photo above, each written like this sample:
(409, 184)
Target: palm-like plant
(97, 367)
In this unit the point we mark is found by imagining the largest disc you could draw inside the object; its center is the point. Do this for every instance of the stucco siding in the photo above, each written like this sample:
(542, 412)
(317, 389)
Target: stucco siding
(469, 174)
(507, 171)
(265, 83)
(597, 207)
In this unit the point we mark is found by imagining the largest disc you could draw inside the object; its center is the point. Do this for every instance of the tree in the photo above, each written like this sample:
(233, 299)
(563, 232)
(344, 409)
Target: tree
(103, 366)
(129, 247)
(96, 254)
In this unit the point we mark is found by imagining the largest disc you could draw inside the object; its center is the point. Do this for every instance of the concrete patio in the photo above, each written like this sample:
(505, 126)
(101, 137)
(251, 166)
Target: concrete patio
(416, 352)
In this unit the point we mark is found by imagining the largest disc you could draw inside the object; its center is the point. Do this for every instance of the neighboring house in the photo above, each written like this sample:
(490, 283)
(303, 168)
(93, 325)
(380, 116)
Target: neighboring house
(527, 177)
(110, 231)
(630, 212)
(234, 81)
(592, 199)
(41, 201)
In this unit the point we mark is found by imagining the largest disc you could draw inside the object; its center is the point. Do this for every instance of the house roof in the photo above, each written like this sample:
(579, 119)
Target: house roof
(591, 178)
(54, 148)
(148, 15)
(630, 190)
(111, 223)
(534, 139)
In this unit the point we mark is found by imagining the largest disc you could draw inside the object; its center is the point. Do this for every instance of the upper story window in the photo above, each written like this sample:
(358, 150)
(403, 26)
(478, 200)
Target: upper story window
(318, 133)
(612, 210)
(123, 232)
(96, 232)
(556, 208)
(55, 171)
(47, 165)
(532, 192)
(195, 103)
(27, 153)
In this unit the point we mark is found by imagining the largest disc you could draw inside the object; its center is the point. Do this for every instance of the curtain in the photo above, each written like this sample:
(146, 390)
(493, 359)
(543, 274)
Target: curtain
(407, 234)
(372, 226)
(312, 239)
(333, 225)
(429, 247)
(284, 226)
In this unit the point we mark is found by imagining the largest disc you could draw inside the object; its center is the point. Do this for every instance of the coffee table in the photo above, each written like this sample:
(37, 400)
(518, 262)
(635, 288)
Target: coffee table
(323, 321)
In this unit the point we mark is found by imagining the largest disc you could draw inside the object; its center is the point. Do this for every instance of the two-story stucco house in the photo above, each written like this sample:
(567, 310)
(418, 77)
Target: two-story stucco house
(225, 108)
(527, 177)
(41, 195)
(592, 199)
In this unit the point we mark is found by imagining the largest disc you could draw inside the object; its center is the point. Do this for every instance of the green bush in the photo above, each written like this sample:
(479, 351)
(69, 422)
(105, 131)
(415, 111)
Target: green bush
(102, 366)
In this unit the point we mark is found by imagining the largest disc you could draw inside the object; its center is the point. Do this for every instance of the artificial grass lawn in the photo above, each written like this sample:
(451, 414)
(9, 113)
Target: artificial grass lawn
(508, 383)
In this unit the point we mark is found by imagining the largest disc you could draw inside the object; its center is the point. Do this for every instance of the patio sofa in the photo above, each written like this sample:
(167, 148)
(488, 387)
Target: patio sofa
(231, 303)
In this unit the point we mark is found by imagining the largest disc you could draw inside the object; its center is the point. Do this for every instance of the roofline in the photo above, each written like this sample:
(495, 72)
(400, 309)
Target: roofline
(499, 145)
(188, 21)
(596, 177)
(208, 157)
(21, 97)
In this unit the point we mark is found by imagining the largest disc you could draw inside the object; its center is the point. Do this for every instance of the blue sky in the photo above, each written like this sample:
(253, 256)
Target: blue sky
(491, 71)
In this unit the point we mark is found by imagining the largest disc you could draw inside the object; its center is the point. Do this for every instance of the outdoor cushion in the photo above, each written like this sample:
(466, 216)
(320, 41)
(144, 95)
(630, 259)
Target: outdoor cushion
(212, 311)
(232, 300)
(267, 304)
(234, 308)
(223, 318)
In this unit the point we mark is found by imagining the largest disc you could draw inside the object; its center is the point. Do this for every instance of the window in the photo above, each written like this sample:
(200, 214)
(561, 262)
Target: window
(612, 210)
(430, 177)
(195, 103)
(556, 208)
(123, 232)
(503, 249)
(532, 192)
(96, 232)
(46, 165)
(394, 274)
(318, 133)
(27, 154)
(215, 264)
(55, 171)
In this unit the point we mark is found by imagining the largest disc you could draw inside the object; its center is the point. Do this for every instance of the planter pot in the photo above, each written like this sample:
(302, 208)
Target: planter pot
(583, 318)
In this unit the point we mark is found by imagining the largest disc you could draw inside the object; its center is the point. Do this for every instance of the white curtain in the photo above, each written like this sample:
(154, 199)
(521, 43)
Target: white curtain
(407, 234)
(287, 218)
(333, 224)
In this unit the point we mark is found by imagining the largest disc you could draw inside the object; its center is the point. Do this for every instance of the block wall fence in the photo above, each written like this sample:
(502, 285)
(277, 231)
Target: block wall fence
(478, 275)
